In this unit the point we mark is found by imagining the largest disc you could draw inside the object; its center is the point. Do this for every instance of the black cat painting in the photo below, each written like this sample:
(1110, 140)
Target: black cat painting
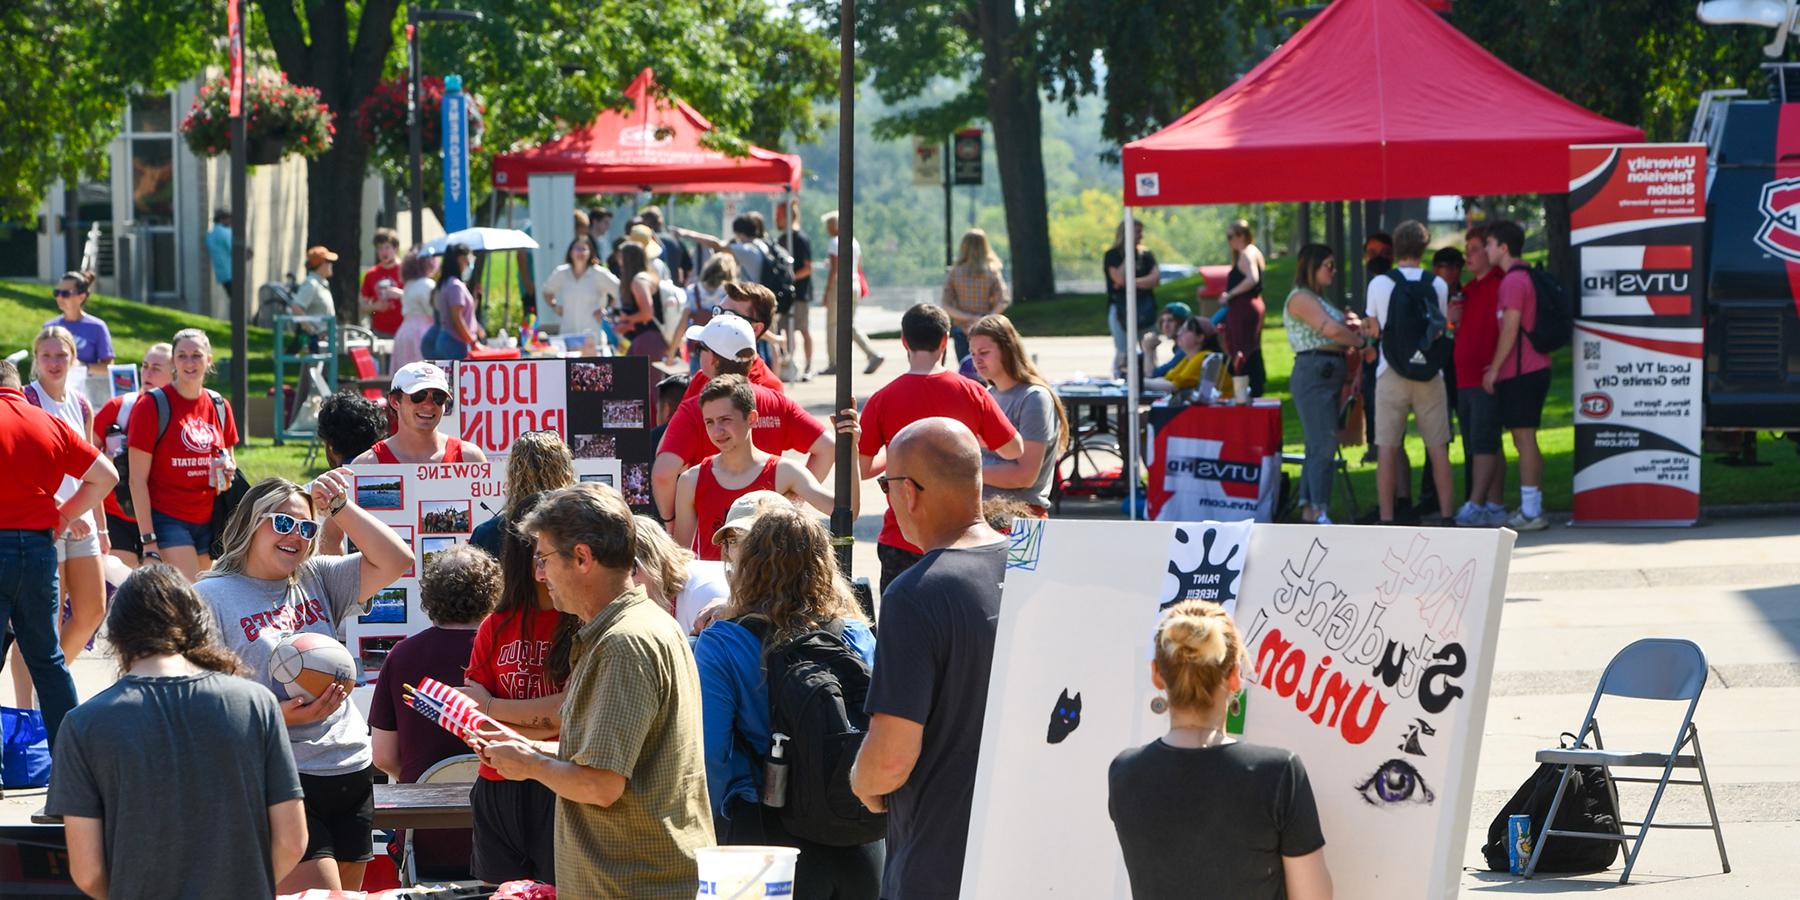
(1065, 717)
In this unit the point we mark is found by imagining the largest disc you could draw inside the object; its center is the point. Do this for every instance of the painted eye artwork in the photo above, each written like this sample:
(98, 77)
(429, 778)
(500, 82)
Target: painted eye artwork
(1393, 783)
(1065, 717)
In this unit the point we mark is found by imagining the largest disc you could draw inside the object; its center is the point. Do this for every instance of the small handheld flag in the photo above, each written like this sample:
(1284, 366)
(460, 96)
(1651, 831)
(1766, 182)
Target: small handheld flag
(450, 708)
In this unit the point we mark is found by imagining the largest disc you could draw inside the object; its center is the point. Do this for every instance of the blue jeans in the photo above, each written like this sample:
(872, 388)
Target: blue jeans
(29, 600)
(1121, 337)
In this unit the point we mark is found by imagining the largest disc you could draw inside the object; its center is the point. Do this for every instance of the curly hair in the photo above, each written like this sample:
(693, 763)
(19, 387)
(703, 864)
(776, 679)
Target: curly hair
(787, 574)
(459, 586)
(350, 424)
(157, 613)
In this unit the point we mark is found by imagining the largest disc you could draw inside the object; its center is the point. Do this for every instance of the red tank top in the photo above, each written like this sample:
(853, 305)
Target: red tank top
(452, 452)
(713, 500)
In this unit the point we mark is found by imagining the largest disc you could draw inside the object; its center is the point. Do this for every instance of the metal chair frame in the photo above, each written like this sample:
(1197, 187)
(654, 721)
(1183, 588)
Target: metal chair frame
(452, 765)
(1671, 685)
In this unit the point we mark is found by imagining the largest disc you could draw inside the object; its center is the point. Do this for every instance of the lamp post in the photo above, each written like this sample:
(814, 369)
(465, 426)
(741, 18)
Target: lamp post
(414, 16)
(842, 522)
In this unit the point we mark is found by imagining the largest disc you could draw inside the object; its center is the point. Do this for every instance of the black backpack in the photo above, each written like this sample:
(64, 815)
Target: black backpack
(817, 685)
(1587, 806)
(1554, 325)
(122, 460)
(1412, 337)
(778, 272)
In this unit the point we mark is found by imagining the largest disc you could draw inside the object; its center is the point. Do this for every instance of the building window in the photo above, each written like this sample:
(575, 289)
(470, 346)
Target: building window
(151, 183)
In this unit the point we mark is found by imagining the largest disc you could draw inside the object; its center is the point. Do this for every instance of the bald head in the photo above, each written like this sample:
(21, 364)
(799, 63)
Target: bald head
(938, 452)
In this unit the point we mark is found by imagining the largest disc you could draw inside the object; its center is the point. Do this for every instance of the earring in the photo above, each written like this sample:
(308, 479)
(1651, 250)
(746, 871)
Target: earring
(1158, 705)
(1237, 704)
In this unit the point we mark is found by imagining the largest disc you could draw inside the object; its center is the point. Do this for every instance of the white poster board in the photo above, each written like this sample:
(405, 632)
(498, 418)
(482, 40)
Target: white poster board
(1040, 825)
(433, 506)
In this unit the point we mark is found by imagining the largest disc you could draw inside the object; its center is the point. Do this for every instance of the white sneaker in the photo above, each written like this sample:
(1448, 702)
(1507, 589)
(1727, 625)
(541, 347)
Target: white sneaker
(1323, 519)
(1471, 516)
(1522, 524)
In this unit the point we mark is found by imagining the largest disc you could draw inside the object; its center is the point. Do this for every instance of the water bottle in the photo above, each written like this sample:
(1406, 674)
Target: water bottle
(775, 773)
(221, 481)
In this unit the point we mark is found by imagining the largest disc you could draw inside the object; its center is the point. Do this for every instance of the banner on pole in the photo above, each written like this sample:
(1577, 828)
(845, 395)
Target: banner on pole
(927, 163)
(455, 131)
(234, 24)
(966, 157)
(1637, 221)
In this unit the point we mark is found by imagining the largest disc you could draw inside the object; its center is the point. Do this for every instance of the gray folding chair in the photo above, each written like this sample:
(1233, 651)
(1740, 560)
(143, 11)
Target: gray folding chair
(1649, 669)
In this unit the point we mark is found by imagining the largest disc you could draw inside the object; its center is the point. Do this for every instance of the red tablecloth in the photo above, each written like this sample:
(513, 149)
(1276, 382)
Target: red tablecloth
(480, 352)
(1221, 463)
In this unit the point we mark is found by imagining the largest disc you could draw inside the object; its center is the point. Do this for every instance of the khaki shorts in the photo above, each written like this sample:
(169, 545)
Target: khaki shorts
(1395, 395)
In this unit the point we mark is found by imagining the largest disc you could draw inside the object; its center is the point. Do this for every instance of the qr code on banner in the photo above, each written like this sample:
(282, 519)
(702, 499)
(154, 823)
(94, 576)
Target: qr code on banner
(1590, 351)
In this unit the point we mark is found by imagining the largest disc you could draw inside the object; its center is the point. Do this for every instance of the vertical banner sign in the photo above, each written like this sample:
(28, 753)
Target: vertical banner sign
(600, 406)
(234, 24)
(455, 132)
(927, 163)
(1368, 655)
(1637, 221)
(966, 157)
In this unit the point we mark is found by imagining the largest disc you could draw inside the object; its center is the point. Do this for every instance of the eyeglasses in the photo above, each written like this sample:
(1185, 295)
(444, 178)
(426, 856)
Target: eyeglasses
(438, 397)
(285, 524)
(882, 481)
(66, 293)
(537, 559)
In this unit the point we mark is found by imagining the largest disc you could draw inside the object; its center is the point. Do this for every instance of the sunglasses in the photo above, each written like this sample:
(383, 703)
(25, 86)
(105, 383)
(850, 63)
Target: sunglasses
(882, 481)
(60, 292)
(285, 524)
(438, 397)
(722, 311)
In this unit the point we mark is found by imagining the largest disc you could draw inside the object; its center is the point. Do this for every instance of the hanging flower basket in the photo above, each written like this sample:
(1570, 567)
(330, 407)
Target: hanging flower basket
(381, 120)
(279, 119)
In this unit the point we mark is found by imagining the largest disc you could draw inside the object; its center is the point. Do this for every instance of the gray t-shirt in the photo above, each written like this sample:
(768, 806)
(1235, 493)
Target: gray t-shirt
(1031, 410)
(181, 771)
(254, 614)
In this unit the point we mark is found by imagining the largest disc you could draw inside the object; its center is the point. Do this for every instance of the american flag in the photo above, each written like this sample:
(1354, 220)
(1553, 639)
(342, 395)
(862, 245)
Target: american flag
(452, 710)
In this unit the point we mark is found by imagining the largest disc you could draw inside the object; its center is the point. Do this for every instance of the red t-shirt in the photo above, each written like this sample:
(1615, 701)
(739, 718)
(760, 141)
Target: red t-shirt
(39, 449)
(508, 659)
(1517, 292)
(1479, 329)
(912, 397)
(781, 425)
(103, 420)
(712, 501)
(453, 451)
(383, 321)
(759, 374)
(181, 465)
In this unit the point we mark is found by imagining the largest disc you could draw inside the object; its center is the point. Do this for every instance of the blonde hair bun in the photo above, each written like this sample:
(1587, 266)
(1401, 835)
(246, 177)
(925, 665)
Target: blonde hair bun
(1197, 647)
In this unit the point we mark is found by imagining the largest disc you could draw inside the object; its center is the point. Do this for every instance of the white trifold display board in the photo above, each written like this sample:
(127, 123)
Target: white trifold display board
(433, 506)
(1368, 654)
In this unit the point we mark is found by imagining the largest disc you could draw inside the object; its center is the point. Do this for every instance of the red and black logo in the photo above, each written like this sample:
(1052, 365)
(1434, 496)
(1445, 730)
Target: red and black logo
(1596, 404)
(1780, 208)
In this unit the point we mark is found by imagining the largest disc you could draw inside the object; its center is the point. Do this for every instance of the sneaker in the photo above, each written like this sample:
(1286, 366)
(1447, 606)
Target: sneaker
(874, 363)
(1521, 524)
(1323, 519)
(1493, 516)
(806, 376)
(827, 372)
(1471, 516)
(1436, 520)
(1369, 456)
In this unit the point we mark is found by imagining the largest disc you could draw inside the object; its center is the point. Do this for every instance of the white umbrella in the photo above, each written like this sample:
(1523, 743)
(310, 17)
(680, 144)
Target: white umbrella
(480, 239)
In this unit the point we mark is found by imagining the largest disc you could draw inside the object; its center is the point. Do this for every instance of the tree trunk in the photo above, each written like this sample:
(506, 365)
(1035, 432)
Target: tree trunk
(1015, 113)
(1561, 259)
(334, 184)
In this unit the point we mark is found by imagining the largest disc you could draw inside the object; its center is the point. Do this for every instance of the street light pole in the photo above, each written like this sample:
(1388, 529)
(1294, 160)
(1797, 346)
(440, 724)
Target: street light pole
(842, 521)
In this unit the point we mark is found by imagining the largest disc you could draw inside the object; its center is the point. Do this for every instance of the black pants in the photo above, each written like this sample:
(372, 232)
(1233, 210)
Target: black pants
(824, 872)
(894, 560)
(1258, 374)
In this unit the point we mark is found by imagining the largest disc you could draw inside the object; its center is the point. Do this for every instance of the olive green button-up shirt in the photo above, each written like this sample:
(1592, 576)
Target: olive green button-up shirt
(632, 706)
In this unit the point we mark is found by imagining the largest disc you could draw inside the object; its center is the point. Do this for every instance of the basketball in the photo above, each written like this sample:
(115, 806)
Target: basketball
(304, 665)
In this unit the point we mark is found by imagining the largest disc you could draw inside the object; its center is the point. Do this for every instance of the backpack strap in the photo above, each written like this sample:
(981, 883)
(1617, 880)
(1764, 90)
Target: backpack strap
(31, 395)
(218, 410)
(163, 413)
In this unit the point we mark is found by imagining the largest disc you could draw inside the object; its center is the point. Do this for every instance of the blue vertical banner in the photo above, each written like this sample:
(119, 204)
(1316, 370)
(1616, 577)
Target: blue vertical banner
(454, 128)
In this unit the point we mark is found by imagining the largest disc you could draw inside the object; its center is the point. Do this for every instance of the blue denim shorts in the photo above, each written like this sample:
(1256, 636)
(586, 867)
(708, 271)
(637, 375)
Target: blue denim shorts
(173, 532)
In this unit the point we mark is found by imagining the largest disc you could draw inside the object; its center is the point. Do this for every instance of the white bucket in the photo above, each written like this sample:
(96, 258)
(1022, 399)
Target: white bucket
(746, 873)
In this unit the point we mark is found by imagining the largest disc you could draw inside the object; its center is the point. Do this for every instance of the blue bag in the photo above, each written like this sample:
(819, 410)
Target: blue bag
(24, 748)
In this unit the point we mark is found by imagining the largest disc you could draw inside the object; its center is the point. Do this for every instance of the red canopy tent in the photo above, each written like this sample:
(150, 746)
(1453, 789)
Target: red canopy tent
(1372, 99)
(652, 144)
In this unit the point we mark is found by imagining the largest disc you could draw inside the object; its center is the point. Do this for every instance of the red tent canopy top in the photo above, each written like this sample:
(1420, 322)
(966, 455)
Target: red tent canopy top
(653, 143)
(1371, 99)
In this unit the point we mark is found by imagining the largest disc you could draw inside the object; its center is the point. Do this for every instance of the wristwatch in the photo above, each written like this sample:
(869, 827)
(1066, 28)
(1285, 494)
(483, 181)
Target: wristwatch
(148, 537)
(337, 505)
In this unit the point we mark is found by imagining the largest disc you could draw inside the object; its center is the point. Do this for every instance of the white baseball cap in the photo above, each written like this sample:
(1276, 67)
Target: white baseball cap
(744, 510)
(727, 335)
(419, 376)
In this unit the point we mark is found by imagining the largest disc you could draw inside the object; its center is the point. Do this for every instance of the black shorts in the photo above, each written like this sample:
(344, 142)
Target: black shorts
(340, 816)
(894, 560)
(1478, 413)
(124, 534)
(1520, 400)
(515, 831)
